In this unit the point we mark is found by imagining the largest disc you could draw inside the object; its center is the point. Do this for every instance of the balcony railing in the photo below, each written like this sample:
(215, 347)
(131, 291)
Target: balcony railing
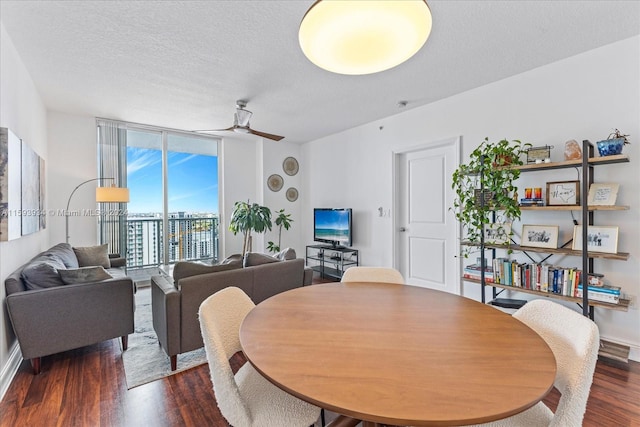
(190, 239)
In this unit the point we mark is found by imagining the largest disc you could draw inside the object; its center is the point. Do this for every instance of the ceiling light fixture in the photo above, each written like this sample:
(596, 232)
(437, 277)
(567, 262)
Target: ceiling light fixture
(363, 36)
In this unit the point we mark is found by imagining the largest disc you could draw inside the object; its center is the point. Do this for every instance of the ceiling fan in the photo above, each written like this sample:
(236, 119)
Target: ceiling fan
(241, 123)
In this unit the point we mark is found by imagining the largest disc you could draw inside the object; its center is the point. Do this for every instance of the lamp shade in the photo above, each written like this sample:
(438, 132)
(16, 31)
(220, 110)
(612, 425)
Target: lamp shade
(364, 36)
(112, 195)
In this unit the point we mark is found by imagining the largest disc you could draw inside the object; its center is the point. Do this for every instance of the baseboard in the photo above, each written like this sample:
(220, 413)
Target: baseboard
(10, 369)
(634, 349)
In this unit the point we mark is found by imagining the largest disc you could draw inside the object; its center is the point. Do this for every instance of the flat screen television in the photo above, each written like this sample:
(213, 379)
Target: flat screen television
(332, 226)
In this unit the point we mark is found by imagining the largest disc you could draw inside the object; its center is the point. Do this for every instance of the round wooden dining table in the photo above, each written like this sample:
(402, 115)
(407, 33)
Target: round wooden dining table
(398, 354)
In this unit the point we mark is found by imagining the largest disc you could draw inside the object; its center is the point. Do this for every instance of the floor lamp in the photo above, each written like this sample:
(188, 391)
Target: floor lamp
(111, 194)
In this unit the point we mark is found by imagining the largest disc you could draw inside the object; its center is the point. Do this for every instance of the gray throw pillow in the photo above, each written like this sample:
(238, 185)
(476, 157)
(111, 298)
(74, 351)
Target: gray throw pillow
(43, 273)
(64, 252)
(187, 269)
(84, 275)
(237, 258)
(256, 258)
(286, 254)
(91, 256)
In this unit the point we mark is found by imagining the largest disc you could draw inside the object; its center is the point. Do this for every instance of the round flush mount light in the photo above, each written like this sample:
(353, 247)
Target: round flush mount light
(363, 36)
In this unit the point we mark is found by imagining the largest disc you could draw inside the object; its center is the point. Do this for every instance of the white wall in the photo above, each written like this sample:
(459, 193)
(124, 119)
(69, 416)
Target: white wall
(582, 97)
(72, 160)
(22, 111)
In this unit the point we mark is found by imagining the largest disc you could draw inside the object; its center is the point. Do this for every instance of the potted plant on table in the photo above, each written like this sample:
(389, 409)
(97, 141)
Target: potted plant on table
(282, 220)
(247, 217)
(485, 184)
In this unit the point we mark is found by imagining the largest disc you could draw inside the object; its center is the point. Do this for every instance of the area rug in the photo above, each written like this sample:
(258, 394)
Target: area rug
(144, 360)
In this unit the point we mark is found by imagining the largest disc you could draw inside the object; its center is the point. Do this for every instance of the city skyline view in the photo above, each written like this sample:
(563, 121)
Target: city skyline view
(192, 181)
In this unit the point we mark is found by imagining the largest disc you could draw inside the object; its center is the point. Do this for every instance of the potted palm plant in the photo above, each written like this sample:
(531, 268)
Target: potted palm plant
(248, 217)
(283, 220)
(485, 185)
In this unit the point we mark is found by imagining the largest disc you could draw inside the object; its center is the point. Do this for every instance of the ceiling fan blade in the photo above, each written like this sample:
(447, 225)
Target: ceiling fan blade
(266, 135)
(214, 130)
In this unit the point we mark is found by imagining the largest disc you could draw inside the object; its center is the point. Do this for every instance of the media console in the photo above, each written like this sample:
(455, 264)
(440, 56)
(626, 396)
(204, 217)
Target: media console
(330, 261)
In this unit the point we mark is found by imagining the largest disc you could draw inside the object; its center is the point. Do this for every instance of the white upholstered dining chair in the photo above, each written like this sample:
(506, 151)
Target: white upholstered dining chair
(247, 398)
(574, 341)
(372, 274)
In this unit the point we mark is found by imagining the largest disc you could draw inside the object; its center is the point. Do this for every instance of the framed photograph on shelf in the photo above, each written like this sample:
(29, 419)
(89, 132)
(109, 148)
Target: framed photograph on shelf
(540, 236)
(563, 193)
(604, 194)
(599, 239)
(497, 233)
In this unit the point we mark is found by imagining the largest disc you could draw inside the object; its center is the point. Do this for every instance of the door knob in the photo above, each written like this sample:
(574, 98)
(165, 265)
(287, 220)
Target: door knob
(402, 229)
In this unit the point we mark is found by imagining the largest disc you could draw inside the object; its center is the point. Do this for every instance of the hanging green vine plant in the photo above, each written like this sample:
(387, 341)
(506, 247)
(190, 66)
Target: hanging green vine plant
(488, 172)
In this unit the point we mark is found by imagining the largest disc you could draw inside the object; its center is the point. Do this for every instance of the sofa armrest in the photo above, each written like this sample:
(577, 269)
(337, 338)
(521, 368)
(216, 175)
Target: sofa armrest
(117, 261)
(165, 307)
(308, 276)
(51, 320)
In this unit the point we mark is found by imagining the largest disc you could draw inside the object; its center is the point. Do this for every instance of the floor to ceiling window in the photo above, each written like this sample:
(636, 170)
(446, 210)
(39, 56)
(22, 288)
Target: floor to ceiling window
(173, 210)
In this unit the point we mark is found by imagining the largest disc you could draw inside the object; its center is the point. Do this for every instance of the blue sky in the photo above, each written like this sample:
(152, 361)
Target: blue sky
(193, 181)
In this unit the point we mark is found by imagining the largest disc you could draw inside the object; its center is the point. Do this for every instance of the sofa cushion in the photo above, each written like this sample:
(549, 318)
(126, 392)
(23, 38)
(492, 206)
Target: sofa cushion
(90, 256)
(256, 258)
(184, 269)
(73, 276)
(42, 273)
(286, 254)
(64, 252)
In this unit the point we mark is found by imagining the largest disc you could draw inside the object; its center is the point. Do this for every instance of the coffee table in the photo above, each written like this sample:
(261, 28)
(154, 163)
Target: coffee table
(398, 354)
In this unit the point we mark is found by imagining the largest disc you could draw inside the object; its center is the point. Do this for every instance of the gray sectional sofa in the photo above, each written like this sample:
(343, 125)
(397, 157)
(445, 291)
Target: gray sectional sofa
(175, 300)
(66, 298)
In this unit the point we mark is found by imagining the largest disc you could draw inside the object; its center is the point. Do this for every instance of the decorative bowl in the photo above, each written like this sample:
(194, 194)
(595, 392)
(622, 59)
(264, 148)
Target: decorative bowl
(610, 147)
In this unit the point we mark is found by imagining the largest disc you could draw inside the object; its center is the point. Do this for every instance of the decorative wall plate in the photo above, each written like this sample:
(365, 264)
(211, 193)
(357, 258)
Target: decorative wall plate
(290, 166)
(292, 194)
(275, 182)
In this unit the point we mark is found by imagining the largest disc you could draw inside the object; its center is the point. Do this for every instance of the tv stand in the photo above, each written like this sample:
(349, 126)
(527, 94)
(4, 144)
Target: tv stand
(331, 261)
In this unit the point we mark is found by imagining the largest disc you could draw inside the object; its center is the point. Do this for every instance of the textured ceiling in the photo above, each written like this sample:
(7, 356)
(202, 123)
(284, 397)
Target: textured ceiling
(183, 64)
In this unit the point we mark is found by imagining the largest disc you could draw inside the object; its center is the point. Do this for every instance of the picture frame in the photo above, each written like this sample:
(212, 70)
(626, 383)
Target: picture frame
(602, 238)
(538, 154)
(603, 194)
(497, 233)
(540, 236)
(563, 193)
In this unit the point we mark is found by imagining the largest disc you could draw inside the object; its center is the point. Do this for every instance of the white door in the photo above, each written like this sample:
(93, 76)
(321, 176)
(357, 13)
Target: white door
(426, 232)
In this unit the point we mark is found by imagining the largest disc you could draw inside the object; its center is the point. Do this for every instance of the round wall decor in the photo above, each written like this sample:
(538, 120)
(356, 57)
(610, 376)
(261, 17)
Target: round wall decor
(290, 166)
(292, 194)
(275, 182)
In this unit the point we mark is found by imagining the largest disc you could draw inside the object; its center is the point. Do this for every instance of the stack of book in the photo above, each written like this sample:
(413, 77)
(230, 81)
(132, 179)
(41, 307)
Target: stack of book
(531, 202)
(473, 271)
(604, 293)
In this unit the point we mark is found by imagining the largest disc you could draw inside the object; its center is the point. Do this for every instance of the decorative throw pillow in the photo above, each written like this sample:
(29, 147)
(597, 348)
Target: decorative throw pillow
(84, 275)
(64, 252)
(286, 254)
(256, 258)
(187, 269)
(91, 256)
(235, 258)
(43, 273)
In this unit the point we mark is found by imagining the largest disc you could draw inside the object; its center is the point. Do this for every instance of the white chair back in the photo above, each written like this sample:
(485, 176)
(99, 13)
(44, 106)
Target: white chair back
(372, 274)
(574, 340)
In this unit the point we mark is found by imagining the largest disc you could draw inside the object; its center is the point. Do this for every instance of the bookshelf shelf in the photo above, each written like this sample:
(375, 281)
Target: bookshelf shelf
(574, 208)
(623, 305)
(622, 256)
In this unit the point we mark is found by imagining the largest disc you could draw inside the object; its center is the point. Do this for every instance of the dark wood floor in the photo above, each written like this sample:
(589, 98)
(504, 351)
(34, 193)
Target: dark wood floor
(86, 387)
